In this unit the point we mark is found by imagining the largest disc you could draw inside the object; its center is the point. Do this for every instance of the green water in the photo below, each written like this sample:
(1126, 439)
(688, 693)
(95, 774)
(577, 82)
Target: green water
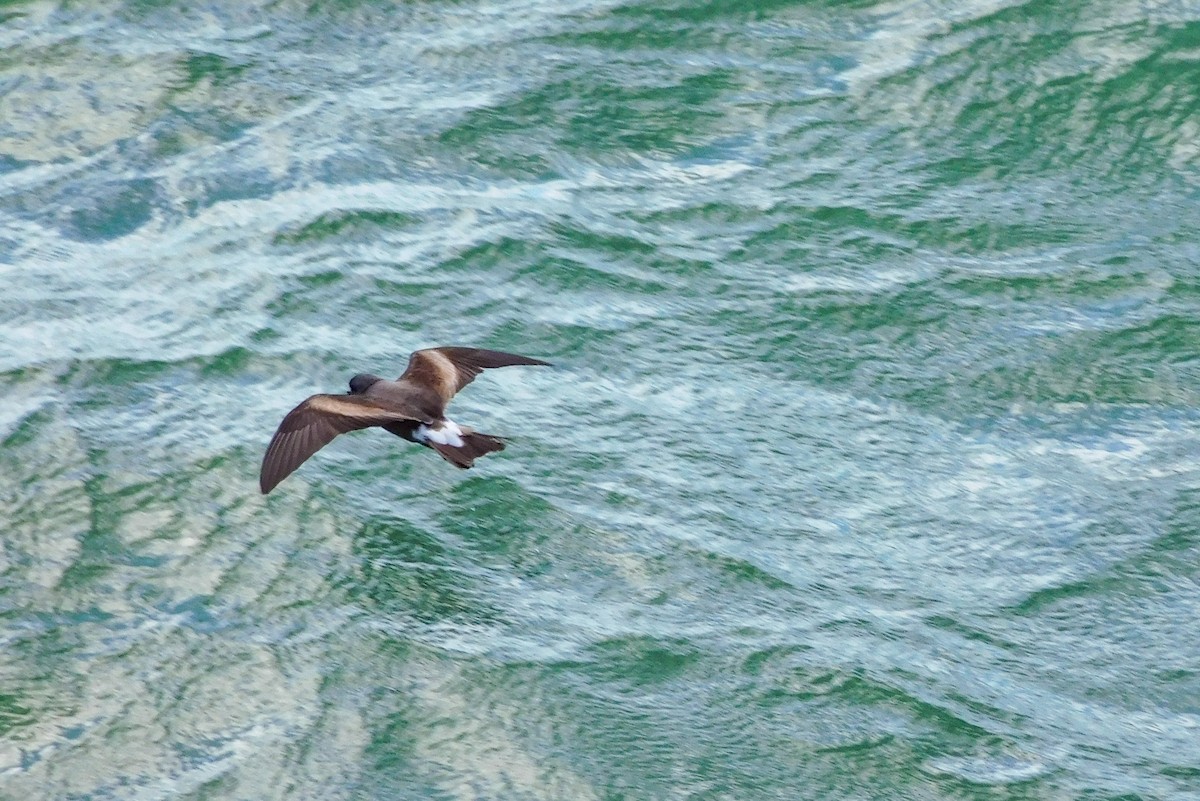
(866, 470)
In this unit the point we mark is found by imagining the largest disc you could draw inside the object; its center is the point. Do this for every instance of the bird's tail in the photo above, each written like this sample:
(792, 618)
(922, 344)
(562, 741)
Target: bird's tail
(473, 446)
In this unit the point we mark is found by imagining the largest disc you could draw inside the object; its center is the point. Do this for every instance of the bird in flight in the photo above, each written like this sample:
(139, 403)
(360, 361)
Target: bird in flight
(413, 407)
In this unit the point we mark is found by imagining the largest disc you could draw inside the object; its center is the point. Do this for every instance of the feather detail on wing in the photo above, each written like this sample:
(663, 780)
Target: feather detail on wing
(447, 370)
(312, 425)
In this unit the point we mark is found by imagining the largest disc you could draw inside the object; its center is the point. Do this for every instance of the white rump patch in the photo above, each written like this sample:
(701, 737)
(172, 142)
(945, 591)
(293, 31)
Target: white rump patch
(445, 432)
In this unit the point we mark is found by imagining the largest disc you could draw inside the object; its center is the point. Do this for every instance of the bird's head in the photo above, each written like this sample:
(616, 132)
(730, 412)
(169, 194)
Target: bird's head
(362, 382)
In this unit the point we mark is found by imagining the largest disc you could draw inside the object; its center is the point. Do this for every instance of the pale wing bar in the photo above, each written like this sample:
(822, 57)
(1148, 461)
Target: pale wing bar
(449, 369)
(311, 426)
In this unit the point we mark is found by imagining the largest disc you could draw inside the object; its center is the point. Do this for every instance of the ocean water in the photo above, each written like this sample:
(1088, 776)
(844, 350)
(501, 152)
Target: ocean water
(866, 469)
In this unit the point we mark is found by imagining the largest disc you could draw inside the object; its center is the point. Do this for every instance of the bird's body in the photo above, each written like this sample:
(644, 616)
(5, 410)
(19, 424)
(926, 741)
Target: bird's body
(412, 407)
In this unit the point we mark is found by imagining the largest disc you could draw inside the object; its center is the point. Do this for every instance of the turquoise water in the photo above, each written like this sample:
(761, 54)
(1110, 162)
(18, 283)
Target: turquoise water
(866, 470)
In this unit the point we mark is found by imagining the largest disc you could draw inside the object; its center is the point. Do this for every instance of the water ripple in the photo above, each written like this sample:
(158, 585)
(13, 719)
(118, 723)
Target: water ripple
(866, 466)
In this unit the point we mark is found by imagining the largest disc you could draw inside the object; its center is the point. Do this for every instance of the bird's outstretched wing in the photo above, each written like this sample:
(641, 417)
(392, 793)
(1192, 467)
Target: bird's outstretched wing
(447, 370)
(312, 425)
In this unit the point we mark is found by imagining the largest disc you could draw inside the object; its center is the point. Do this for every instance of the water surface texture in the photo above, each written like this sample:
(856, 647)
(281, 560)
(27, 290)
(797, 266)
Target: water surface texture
(867, 469)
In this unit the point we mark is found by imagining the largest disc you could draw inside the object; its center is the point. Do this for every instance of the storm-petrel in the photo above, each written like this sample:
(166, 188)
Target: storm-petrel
(412, 407)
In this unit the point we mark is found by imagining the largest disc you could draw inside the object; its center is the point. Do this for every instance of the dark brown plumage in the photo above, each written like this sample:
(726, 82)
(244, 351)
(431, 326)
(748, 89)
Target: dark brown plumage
(412, 407)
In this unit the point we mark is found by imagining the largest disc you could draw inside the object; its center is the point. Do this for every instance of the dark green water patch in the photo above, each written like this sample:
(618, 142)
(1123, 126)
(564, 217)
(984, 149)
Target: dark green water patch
(740, 570)
(642, 661)
(360, 297)
(498, 517)
(503, 252)
(1098, 367)
(211, 67)
(394, 741)
(569, 274)
(969, 632)
(231, 362)
(607, 242)
(116, 372)
(585, 116)
(1086, 283)
(27, 430)
(13, 714)
(406, 570)
(402, 541)
(345, 225)
(112, 210)
(709, 10)
(1169, 552)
